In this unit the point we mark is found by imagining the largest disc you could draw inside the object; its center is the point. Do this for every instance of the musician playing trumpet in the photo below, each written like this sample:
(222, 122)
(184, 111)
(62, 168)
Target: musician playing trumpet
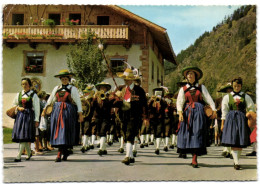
(86, 125)
(102, 113)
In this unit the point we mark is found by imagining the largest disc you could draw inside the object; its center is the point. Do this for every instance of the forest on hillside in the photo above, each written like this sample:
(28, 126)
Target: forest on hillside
(228, 51)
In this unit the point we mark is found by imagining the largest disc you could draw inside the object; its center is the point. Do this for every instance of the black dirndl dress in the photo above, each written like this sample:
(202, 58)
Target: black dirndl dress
(24, 127)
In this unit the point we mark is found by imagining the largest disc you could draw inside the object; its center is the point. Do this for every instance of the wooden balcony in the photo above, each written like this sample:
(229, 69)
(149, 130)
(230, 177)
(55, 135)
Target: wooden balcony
(115, 32)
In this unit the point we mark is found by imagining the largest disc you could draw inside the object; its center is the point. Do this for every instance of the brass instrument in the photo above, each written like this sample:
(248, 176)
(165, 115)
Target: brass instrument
(86, 106)
(101, 95)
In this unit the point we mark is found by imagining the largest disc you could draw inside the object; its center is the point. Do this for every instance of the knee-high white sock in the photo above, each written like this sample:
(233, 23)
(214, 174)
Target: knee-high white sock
(87, 140)
(111, 137)
(122, 142)
(93, 138)
(158, 140)
(142, 139)
(128, 149)
(235, 156)
(102, 143)
(225, 149)
(152, 137)
(28, 149)
(21, 148)
(147, 138)
(255, 147)
(174, 139)
(229, 149)
(84, 140)
(135, 143)
(166, 141)
(131, 151)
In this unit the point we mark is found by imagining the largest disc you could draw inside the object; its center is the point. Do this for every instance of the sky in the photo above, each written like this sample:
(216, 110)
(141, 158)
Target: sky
(184, 24)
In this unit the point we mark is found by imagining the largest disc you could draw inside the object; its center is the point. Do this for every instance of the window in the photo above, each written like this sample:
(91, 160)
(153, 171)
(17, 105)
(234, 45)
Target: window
(117, 64)
(75, 17)
(55, 17)
(18, 19)
(34, 62)
(102, 20)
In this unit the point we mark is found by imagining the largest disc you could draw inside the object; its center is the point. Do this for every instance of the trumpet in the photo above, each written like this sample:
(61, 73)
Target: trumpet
(157, 99)
(101, 95)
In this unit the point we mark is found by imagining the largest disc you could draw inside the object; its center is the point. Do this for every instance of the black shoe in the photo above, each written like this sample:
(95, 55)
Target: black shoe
(110, 143)
(237, 167)
(104, 152)
(100, 152)
(91, 146)
(17, 160)
(121, 150)
(194, 165)
(98, 146)
(184, 155)
(87, 148)
(165, 148)
(134, 153)
(132, 160)
(141, 145)
(65, 157)
(228, 155)
(180, 155)
(28, 158)
(251, 154)
(157, 152)
(58, 159)
(151, 143)
(171, 146)
(126, 161)
(82, 149)
(46, 149)
(224, 153)
(146, 144)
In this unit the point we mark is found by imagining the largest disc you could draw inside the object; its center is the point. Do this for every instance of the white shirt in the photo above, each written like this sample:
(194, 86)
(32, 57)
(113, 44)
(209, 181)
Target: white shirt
(35, 103)
(250, 106)
(205, 94)
(74, 95)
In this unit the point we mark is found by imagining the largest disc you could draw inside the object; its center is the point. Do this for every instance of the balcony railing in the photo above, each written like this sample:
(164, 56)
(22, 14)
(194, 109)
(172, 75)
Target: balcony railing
(68, 32)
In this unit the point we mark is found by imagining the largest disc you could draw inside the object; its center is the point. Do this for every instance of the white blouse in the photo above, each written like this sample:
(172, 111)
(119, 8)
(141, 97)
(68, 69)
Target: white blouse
(35, 103)
(74, 95)
(250, 106)
(205, 94)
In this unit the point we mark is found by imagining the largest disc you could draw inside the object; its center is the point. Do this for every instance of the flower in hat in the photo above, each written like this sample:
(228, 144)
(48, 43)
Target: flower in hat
(107, 85)
(128, 75)
(64, 73)
(198, 72)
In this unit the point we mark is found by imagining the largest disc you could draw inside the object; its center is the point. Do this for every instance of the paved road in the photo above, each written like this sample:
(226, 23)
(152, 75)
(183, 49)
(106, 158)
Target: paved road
(148, 167)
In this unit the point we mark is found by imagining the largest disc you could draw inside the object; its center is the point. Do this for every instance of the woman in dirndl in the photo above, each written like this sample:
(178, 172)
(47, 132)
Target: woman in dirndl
(236, 132)
(65, 115)
(27, 118)
(192, 127)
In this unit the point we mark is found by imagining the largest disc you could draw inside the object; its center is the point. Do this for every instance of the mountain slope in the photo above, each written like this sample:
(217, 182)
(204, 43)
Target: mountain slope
(228, 51)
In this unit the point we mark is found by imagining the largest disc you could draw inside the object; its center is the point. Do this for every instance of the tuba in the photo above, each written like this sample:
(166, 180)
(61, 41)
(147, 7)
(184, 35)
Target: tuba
(86, 106)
